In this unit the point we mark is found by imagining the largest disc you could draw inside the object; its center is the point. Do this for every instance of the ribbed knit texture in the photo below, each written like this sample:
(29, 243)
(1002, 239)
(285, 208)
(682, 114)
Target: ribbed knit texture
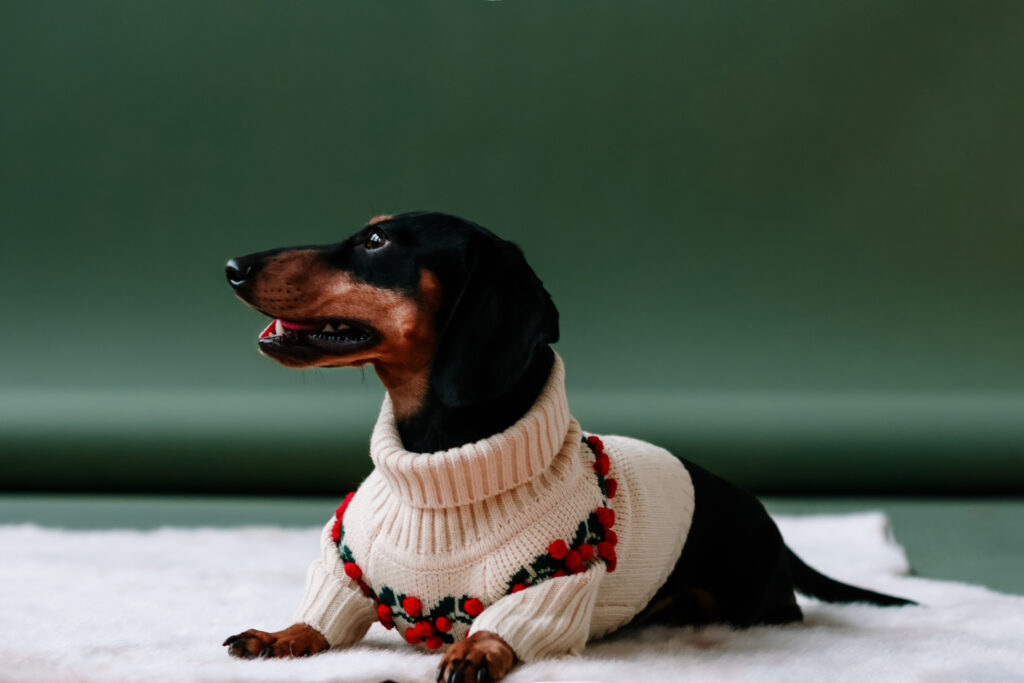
(548, 620)
(333, 603)
(476, 471)
(467, 525)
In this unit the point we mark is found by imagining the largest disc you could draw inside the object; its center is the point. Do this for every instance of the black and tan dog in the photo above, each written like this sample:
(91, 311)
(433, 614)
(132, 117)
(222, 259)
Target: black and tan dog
(458, 328)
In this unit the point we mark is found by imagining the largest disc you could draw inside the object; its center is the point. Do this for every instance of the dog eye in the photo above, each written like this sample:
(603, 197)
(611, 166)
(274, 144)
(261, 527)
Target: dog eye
(375, 240)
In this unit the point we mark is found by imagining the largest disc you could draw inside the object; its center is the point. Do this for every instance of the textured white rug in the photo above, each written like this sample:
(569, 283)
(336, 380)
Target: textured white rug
(155, 606)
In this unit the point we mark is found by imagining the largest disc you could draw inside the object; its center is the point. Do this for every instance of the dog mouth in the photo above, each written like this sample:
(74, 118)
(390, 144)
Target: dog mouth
(308, 339)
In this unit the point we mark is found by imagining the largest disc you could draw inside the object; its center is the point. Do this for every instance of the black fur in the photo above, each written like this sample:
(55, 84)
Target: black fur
(493, 355)
(736, 569)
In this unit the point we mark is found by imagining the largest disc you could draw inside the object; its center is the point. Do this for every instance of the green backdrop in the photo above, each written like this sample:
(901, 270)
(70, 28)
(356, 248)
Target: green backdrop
(785, 239)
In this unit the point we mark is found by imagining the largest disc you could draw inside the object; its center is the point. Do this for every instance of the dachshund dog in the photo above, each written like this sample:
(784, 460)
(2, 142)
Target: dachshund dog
(458, 328)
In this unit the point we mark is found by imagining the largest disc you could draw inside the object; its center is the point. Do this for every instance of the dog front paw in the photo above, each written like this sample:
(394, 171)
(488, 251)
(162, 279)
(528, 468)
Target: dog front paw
(298, 640)
(479, 658)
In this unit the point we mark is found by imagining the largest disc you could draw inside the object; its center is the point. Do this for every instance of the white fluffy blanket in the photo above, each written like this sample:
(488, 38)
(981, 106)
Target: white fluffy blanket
(155, 606)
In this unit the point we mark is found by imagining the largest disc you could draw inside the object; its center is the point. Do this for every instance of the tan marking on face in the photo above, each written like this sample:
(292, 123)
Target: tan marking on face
(380, 219)
(297, 285)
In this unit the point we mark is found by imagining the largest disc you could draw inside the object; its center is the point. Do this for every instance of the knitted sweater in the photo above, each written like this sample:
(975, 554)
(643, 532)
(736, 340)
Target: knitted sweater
(537, 534)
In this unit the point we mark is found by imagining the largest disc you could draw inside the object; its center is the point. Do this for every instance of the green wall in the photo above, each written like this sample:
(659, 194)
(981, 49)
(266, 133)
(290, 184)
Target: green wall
(768, 209)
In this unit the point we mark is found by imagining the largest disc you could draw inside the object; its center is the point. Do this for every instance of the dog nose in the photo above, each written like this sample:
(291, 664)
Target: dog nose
(237, 270)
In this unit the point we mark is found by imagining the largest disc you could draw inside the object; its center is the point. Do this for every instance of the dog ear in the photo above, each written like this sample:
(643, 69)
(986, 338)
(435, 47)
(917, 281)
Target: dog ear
(499, 320)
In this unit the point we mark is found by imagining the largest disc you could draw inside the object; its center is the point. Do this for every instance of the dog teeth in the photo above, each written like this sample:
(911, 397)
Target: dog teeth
(278, 327)
(328, 328)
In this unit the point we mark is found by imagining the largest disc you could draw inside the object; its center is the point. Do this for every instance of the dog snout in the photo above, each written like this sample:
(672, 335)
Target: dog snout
(240, 272)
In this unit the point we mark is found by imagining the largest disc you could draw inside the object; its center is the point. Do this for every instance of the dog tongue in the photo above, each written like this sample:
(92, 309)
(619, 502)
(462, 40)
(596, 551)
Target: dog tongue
(299, 326)
(285, 324)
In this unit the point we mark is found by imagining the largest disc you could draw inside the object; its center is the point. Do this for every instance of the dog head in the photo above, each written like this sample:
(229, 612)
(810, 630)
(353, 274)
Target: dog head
(434, 302)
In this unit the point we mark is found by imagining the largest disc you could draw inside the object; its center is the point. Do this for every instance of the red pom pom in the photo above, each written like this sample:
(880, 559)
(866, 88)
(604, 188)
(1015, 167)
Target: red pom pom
(610, 487)
(424, 628)
(412, 636)
(586, 552)
(605, 550)
(412, 606)
(611, 537)
(560, 572)
(606, 516)
(601, 465)
(611, 564)
(573, 560)
(558, 549)
(518, 587)
(384, 613)
(443, 624)
(340, 511)
(596, 443)
(473, 607)
(434, 642)
(336, 531)
(353, 570)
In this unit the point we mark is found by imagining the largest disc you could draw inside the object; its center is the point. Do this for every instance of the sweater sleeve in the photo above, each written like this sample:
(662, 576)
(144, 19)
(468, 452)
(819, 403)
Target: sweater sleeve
(333, 603)
(549, 619)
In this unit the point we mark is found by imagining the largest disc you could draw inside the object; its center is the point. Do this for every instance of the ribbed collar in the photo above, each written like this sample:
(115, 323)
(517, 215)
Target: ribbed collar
(475, 471)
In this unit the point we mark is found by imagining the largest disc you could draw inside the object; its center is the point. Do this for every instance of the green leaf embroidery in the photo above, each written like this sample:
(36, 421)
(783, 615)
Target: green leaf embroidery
(521, 576)
(545, 564)
(346, 554)
(581, 533)
(443, 608)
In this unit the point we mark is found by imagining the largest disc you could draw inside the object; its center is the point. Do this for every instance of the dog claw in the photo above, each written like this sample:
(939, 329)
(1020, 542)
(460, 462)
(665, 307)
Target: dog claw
(230, 640)
(440, 672)
(455, 670)
(238, 649)
(483, 674)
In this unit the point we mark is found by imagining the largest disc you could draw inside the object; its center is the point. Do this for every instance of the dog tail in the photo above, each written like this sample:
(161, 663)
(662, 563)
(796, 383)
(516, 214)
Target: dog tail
(810, 581)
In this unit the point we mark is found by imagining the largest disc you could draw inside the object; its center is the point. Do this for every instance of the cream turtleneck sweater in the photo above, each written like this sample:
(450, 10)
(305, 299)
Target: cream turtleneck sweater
(533, 534)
